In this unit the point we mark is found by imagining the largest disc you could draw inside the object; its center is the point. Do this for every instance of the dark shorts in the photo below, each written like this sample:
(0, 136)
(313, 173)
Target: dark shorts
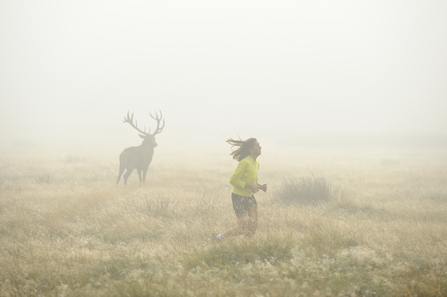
(243, 204)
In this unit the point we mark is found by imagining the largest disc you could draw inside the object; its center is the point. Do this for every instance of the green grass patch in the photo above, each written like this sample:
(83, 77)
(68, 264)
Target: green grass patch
(242, 251)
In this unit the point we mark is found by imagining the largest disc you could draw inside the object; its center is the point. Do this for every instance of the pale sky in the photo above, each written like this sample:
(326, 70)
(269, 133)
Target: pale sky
(272, 69)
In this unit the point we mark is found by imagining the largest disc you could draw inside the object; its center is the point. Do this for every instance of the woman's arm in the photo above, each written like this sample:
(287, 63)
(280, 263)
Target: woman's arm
(235, 179)
(253, 188)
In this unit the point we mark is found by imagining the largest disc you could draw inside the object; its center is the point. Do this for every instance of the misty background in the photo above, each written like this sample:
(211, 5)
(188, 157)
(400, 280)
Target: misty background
(289, 72)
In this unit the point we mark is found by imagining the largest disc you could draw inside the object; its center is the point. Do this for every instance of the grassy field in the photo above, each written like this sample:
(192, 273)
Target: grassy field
(67, 230)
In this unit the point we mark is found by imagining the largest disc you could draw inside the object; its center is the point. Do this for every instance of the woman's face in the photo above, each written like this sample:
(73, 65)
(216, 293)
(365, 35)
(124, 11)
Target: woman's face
(256, 149)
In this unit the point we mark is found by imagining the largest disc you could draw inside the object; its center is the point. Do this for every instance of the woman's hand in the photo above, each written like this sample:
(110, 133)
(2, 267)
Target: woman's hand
(263, 187)
(253, 188)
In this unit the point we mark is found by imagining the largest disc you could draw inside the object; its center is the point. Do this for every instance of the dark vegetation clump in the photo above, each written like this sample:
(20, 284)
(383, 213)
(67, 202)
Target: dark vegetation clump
(73, 159)
(160, 206)
(43, 178)
(306, 190)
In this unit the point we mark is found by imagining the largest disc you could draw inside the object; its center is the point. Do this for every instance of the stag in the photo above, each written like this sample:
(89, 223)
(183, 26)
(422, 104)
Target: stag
(139, 157)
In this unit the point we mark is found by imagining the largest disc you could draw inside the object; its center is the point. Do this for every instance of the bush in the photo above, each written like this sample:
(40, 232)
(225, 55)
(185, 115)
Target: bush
(306, 190)
(44, 178)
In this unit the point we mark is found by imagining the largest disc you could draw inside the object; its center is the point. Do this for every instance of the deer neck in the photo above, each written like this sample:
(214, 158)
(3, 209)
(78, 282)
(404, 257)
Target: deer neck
(147, 147)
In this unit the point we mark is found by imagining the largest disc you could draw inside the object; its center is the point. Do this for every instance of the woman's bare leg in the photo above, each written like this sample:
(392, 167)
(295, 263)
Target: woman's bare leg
(248, 223)
(253, 214)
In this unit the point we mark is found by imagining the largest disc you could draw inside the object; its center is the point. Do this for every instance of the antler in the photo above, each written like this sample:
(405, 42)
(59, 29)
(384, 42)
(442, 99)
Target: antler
(158, 119)
(129, 119)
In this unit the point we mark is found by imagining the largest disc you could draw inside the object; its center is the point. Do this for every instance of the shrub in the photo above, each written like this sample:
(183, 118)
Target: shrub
(73, 159)
(160, 206)
(44, 178)
(306, 190)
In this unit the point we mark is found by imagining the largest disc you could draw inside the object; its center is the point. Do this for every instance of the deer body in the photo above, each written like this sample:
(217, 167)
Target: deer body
(139, 157)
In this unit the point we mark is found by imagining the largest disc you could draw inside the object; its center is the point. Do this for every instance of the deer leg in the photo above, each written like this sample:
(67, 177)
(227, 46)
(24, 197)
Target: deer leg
(144, 176)
(120, 173)
(139, 175)
(127, 174)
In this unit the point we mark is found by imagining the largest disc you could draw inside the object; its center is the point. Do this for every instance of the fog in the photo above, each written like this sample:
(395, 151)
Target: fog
(281, 71)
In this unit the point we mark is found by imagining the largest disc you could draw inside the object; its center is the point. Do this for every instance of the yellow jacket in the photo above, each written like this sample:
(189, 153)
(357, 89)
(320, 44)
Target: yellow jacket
(246, 172)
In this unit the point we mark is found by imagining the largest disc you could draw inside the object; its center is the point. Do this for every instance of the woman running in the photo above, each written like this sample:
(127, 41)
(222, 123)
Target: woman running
(245, 183)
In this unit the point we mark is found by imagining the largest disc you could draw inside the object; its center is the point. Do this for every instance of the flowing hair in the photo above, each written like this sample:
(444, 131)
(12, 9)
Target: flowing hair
(243, 149)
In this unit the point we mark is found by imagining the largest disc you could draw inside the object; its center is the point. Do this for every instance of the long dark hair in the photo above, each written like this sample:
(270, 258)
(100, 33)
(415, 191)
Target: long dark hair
(244, 147)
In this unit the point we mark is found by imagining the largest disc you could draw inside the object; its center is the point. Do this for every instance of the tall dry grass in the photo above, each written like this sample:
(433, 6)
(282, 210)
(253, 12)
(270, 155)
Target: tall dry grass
(66, 230)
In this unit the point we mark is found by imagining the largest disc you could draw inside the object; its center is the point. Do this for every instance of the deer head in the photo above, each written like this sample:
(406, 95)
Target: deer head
(148, 138)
